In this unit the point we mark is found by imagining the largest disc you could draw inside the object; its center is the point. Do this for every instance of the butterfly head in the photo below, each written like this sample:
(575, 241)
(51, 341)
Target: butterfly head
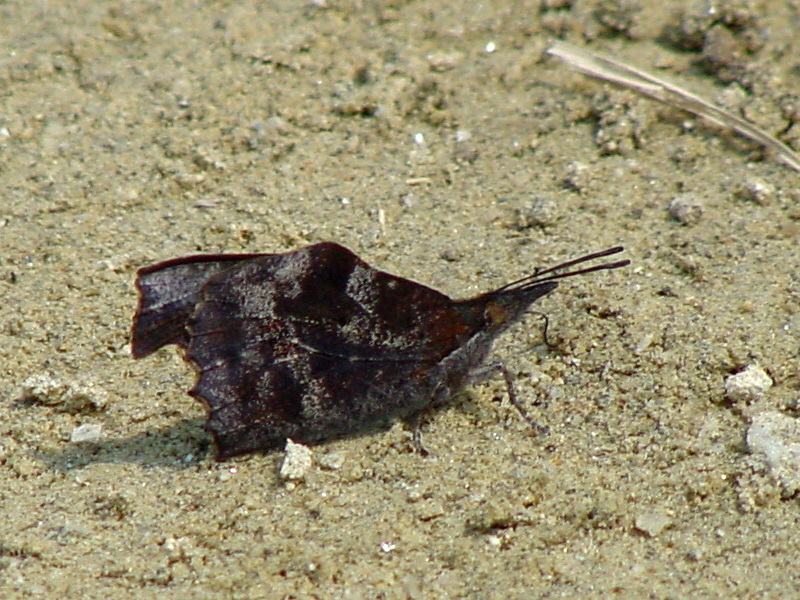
(504, 306)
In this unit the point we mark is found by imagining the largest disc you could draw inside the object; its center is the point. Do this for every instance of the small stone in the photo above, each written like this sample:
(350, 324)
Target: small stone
(775, 439)
(89, 433)
(491, 516)
(756, 190)
(297, 461)
(541, 212)
(579, 177)
(748, 385)
(444, 61)
(68, 396)
(278, 125)
(687, 209)
(189, 180)
(331, 461)
(652, 523)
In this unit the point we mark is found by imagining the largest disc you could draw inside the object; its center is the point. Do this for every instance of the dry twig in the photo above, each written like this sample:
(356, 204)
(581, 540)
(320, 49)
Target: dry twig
(608, 69)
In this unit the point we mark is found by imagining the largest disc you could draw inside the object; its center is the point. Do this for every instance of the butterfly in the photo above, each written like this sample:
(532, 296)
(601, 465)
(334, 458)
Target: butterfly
(315, 344)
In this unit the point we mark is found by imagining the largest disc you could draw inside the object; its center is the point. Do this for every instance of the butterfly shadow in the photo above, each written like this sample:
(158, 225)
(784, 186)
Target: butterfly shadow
(182, 445)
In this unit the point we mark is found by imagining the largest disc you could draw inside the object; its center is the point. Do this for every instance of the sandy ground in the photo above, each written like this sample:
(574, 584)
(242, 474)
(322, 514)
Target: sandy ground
(437, 141)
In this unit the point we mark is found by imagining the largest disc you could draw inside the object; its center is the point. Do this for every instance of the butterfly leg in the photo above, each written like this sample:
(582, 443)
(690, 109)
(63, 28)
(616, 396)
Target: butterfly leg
(512, 393)
(544, 329)
(415, 422)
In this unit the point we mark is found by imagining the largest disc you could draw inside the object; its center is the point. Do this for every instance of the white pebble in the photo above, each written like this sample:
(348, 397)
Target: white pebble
(331, 461)
(69, 396)
(756, 190)
(748, 385)
(775, 438)
(296, 462)
(89, 433)
(652, 523)
(687, 209)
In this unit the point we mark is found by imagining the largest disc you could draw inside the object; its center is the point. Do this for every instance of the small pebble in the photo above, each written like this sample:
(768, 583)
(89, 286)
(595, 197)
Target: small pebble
(748, 385)
(66, 395)
(541, 212)
(331, 461)
(89, 433)
(579, 177)
(652, 523)
(687, 209)
(775, 438)
(756, 190)
(296, 462)
(444, 61)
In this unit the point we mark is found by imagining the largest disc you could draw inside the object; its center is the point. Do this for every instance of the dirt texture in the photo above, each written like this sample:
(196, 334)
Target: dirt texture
(439, 142)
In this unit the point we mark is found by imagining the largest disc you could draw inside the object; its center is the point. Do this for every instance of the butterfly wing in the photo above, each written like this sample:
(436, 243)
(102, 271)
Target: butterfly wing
(313, 344)
(168, 294)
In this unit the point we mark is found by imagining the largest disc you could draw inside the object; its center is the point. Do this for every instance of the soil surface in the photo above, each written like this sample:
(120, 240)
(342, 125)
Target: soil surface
(439, 142)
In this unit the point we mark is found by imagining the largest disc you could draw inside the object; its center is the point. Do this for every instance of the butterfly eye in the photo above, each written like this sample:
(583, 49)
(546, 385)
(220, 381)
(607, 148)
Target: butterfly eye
(496, 314)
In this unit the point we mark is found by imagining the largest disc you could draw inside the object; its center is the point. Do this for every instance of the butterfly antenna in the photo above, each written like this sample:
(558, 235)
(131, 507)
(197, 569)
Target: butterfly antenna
(551, 274)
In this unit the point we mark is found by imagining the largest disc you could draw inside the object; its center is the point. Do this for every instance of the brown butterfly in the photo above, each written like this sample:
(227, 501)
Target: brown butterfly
(315, 343)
